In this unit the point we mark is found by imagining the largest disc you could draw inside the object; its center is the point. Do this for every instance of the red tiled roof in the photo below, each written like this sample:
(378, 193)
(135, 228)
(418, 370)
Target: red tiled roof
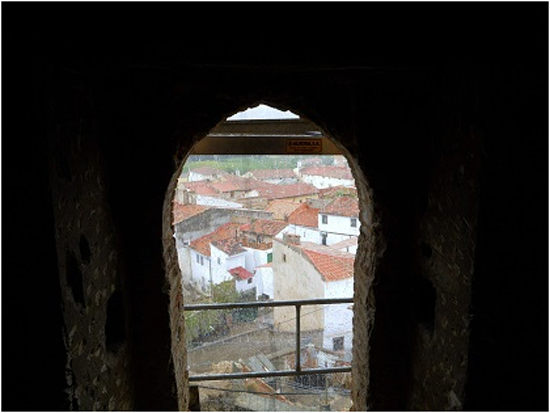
(273, 173)
(265, 226)
(282, 209)
(305, 216)
(202, 244)
(225, 186)
(244, 184)
(333, 265)
(182, 212)
(200, 188)
(272, 191)
(241, 273)
(229, 245)
(344, 206)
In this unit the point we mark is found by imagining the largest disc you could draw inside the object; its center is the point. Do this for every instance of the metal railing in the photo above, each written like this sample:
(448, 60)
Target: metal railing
(297, 304)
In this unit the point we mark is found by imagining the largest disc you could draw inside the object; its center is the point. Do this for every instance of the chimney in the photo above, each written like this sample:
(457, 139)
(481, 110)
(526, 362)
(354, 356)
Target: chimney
(291, 239)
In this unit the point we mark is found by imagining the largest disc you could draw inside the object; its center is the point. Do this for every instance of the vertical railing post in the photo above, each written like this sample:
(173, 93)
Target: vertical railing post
(298, 338)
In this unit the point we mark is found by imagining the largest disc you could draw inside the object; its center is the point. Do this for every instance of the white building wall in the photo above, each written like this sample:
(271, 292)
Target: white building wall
(338, 317)
(194, 177)
(264, 281)
(184, 261)
(339, 225)
(322, 182)
(200, 269)
(254, 258)
(245, 285)
(305, 233)
(221, 263)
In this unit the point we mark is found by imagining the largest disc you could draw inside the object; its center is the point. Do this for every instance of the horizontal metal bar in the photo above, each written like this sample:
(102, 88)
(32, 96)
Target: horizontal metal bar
(256, 304)
(260, 374)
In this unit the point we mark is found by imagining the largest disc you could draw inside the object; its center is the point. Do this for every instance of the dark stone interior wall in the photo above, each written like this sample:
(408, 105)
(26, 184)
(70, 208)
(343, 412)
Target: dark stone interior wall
(461, 283)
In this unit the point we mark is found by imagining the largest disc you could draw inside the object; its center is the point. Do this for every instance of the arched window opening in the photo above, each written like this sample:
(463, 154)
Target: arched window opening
(266, 219)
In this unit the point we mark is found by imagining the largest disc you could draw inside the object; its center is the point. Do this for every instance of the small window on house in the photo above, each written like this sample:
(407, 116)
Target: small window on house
(324, 219)
(338, 343)
(198, 259)
(219, 261)
(249, 281)
(354, 222)
(269, 257)
(284, 257)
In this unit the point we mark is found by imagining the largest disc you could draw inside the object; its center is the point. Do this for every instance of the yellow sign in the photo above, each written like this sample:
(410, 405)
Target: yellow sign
(304, 146)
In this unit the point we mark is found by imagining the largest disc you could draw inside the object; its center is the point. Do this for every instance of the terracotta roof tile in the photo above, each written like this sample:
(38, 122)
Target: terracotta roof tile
(344, 206)
(202, 244)
(265, 226)
(225, 186)
(246, 184)
(273, 173)
(241, 273)
(229, 245)
(272, 191)
(182, 212)
(200, 188)
(282, 209)
(305, 216)
(333, 265)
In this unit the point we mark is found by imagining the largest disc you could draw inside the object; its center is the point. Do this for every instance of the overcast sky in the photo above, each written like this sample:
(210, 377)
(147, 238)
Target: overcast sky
(263, 112)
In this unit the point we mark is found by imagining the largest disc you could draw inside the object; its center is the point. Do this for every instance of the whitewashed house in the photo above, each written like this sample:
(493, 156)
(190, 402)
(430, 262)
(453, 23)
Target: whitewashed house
(226, 254)
(234, 251)
(205, 173)
(257, 237)
(200, 270)
(339, 220)
(202, 262)
(244, 280)
(304, 270)
(327, 176)
(304, 221)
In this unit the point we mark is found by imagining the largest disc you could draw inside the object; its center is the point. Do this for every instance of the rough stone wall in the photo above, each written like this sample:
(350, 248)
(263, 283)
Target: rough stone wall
(177, 319)
(442, 292)
(93, 295)
(364, 303)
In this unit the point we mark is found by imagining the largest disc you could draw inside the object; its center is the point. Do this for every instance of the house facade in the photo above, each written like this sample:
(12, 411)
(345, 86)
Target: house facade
(303, 221)
(214, 257)
(327, 176)
(339, 220)
(304, 270)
